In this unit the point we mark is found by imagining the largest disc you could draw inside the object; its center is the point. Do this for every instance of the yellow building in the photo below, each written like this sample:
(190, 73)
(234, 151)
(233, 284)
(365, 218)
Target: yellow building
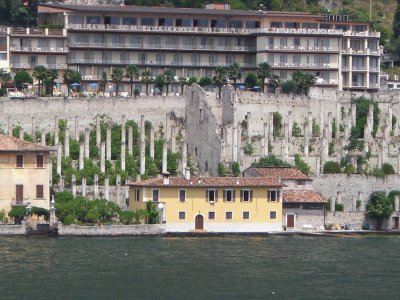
(24, 173)
(214, 204)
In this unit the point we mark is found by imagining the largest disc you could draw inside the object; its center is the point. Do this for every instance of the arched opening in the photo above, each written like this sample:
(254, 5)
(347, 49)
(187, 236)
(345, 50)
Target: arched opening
(199, 222)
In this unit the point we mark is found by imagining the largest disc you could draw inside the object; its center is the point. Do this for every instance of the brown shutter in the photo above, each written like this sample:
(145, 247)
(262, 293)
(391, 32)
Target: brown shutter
(241, 195)
(279, 195)
(39, 161)
(251, 195)
(20, 161)
(206, 195)
(233, 195)
(19, 194)
(216, 195)
(39, 191)
(224, 195)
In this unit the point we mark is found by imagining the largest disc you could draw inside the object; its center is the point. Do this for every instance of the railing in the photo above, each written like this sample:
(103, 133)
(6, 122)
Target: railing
(358, 84)
(3, 48)
(325, 82)
(155, 63)
(299, 31)
(358, 68)
(31, 66)
(39, 49)
(160, 46)
(304, 65)
(37, 31)
(362, 34)
(301, 48)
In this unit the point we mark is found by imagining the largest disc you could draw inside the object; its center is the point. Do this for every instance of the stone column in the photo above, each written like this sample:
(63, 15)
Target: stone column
(370, 117)
(330, 126)
(173, 138)
(73, 184)
(379, 161)
(339, 197)
(164, 157)
(317, 166)
(62, 183)
(96, 186)
(396, 203)
(123, 156)
(152, 142)
(321, 120)
(324, 150)
(66, 142)
(59, 155)
(76, 136)
(166, 127)
(306, 139)
(81, 155)
(87, 139)
(271, 126)
(332, 204)
(56, 141)
(142, 147)
(290, 125)
(33, 130)
(108, 142)
(84, 187)
(235, 148)
(123, 130)
(353, 114)
(184, 158)
(346, 132)
(21, 133)
(390, 116)
(43, 137)
(367, 133)
(52, 214)
(102, 157)
(130, 140)
(118, 190)
(309, 122)
(338, 117)
(98, 132)
(107, 189)
(386, 132)
(126, 193)
(9, 126)
(398, 163)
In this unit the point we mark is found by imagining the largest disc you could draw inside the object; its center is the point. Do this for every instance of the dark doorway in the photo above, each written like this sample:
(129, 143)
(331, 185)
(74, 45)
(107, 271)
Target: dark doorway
(290, 221)
(395, 223)
(199, 222)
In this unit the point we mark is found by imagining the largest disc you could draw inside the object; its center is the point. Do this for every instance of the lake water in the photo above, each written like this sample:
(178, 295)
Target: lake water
(200, 268)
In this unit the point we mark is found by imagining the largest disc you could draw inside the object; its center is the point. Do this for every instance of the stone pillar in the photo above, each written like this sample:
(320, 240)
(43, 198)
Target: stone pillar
(98, 131)
(164, 158)
(366, 145)
(379, 161)
(339, 197)
(96, 186)
(66, 142)
(152, 142)
(166, 127)
(367, 133)
(123, 156)
(107, 189)
(108, 142)
(43, 137)
(84, 187)
(59, 155)
(321, 120)
(266, 140)
(81, 155)
(118, 190)
(386, 132)
(309, 123)
(142, 146)
(324, 150)
(290, 125)
(396, 203)
(130, 140)
(56, 141)
(390, 117)
(52, 214)
(62, 183)
(235, 148)
(76, 135)
(9, 126)
(123, 130)
(271, 126)
(87, 139)
(184, 158)
(21, 133)
(102, 157)
(306, 139)
(73, 184)
(332, 204)
(173, 138)
(126, 194)
(346, 132)
(370, 118)
(33, 130)
(330, 126)
(398, 163)
(353, 114)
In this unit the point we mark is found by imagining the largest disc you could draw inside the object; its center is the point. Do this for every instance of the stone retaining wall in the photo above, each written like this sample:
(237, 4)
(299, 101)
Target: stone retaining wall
(112, 230)
(12, 230)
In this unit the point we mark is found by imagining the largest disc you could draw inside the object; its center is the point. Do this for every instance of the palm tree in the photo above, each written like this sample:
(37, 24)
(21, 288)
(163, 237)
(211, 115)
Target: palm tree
(274, 82)
(168, 78)
(52, 75)
(40, 73)
(182, 81)
(146, 79)
(131, 72)
(116, 77)
(234, 73)
(71, 76)
(4, 77)
(263, 72)
(219, 78)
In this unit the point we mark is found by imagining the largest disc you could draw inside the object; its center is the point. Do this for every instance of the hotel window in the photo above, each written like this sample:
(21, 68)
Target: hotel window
(39, 192)
(39, 161)
(183, 23)
(212, 196)
(156, 195)
(283, 41)
(273, 195)
(276, 24)
(218, 23)
(235, 24)
(325, 26)
(182, 215)
(228, 215)
(211, 215)
(128, 21)
(310, 25)
(246, 215)
(270, 58)
(229, 196)
(182, 195)
(92, 20)
(246, 195)
(296, 41)
(20, 160)
(272, 215)
(253, 24)
(147, 21)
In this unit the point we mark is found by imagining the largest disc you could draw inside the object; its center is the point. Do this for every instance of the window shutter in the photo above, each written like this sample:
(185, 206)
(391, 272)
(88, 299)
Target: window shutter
(224, 195)
(278, 195)
(216, 195)
(233, 196)
(206, 195)
(251, 195)
(241, 195)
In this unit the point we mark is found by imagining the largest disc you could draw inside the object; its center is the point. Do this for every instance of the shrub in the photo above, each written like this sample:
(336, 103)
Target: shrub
(221, 169)
(250, 80)
(349, 169)
(332, 167)
(301, 164)
(248, 149)
(270, 161)
(296, 130)
(388, 169)
(235, 169)
(3, 92)
(204, 81)
(18, 213)
(136, 93)
(277, 122)
(315, 128)
(288, 87)
(339, 207)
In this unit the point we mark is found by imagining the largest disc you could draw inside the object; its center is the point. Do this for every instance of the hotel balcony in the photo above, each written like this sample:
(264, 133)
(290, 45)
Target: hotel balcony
(362, 34)
(295, 31)
(32, 66)
(160, 47)
(38, 32)
(154, 63)
(280, 48)
(306, 66)
(350, 51)
(39, 49)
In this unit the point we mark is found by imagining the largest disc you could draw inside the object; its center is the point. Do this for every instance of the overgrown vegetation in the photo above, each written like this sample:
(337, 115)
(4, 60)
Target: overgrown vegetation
(380, 207)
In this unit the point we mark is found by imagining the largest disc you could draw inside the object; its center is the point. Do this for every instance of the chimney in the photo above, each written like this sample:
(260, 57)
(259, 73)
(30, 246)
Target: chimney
(165, 176)
(187, 173)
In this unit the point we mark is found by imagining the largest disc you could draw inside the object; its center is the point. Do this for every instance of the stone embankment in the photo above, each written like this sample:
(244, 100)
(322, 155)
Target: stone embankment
(12, 230)
(112, 230)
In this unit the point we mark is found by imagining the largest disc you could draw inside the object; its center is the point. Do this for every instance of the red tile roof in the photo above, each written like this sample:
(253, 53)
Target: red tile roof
(211, 182)
(284, 173)
(295, 196)
(12, 144)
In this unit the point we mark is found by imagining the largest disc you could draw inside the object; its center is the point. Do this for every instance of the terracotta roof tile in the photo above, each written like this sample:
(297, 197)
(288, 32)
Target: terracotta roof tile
(294, 196)
(284, 173)
(211, 182)
(12, 144)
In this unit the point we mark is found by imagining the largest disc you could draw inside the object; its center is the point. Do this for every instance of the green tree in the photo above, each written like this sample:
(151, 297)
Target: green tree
(303, 81)
(117, 76)
(22, 77)
(289, 87)
(52, 75)
(301, 164)
(263, 72)
(332, 167)
(379, 207)
(250, 80)
(274, 82)
(159, 83)
(235, 168)
(270, 161)
(71, 76)
(192, 80)
(183, 81)
(4, 77)
(234, 73)
(168, 79)
(152, 212)
(146, 79)
(221, 169)
(103, 82)
(220, 78)
(205, 81)
(40, 73)
(131, 73)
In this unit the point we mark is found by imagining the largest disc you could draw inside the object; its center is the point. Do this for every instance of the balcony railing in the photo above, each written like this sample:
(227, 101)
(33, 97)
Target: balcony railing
(154, 63)
(301, 48)
(37, 31)
(31, 66)
(358, 84)
(287, 65)
(299, 31)
(39, 49)
(359, 68)
(160, 46)
(360, 51)
(362, 33)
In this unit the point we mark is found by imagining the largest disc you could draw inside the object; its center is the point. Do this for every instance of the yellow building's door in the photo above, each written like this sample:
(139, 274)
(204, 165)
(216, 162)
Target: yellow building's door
(199, 222)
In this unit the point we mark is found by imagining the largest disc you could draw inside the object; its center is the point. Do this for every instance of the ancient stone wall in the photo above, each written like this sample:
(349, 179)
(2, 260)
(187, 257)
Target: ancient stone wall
(111, 230)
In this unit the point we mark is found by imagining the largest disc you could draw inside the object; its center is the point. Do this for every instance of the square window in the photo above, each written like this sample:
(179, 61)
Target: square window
(246, 195)
(182, 215)
(39, 161)
(228, 215)
(212, 195)
(211, 215)
(272, 215)
(156, 195)
(182, 195)
(137, 195)
(39, 191)
(246, 215)
(229, 195)
(273, 195)
(20, 160)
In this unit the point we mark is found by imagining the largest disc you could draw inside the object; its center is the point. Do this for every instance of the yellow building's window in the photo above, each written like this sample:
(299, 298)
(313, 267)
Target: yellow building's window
(182, 215)
(156, 195)
(137, 194)
(20, 161)
(39, 191)
(229, 195)
(246, 195)
(211, 215)
(39, 161)
(182, 195)
(274, 195)
(246, 215)
(272, 215)
(212, 196)
(228, 215)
